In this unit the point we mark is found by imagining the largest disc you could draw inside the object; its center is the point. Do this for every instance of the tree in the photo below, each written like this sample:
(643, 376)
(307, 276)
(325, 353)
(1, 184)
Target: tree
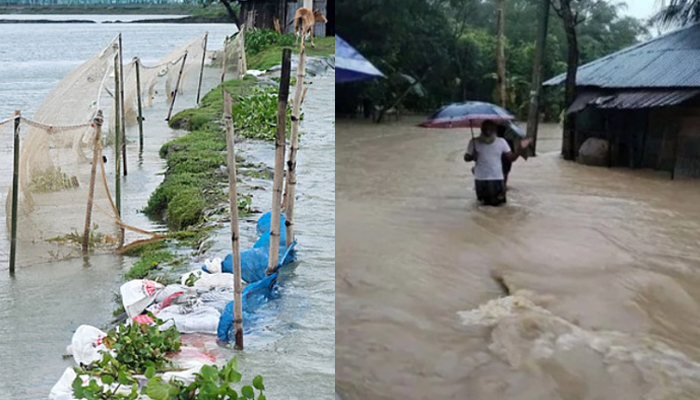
(229, 9)
(680, 12)
(500, 53)
(571, 20)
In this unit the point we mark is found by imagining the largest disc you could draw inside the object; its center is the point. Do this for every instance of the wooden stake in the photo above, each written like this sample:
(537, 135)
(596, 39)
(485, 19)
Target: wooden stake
(201, 68)
(138, 101)
(93, 171)
(280, 143)
(242, 63)
(223, 63)
(15, 195)
(233, 202)
(177, 86)
(117, 144)
(121, 100)
(290, 188)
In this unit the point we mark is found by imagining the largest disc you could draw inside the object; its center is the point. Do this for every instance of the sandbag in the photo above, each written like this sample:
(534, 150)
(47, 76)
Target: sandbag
(169, 291)
(86, 345)
(137, 295)
(254, 295)
(217, 297)
(197, 319)
(63, 389)
(265, 221)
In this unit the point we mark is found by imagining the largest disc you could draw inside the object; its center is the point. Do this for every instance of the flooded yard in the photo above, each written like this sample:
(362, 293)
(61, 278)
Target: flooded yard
(584, 286)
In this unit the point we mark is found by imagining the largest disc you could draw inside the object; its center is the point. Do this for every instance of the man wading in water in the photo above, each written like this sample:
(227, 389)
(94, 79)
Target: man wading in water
(488, 152)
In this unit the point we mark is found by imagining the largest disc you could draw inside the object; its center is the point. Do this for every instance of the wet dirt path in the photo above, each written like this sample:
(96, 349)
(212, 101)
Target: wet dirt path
(600, 265)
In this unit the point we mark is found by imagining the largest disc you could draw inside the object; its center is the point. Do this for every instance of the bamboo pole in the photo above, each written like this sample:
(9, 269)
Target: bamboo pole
(233, 201)
(201, 67)
(242, 63)
(177, 86)
(15, 195)
(97, 122)
(137, 65)
(117, 143)
(223, 63)
(121, 100)
(280, 142)
(290, 188)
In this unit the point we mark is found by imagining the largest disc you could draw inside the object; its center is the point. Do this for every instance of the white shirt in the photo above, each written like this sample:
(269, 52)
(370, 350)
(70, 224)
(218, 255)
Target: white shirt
(488, 163)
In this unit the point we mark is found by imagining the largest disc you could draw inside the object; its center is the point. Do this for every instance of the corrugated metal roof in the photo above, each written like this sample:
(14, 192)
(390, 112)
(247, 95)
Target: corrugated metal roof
(671, 60)
(631, 99)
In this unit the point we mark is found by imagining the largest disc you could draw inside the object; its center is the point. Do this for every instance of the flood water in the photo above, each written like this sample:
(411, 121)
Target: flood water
(41, 308)
(584, 286)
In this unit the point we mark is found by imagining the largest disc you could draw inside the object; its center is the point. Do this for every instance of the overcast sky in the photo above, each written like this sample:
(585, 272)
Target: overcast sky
(640, 8)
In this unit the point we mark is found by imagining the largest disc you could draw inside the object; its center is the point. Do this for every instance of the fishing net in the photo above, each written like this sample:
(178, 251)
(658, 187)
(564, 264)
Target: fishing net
(58, 145)
(233, 55)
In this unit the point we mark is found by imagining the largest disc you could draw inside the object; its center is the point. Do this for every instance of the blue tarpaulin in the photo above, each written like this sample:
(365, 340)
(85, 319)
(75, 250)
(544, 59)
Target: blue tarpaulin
(254, 262)
(350, 65)
(254, 296)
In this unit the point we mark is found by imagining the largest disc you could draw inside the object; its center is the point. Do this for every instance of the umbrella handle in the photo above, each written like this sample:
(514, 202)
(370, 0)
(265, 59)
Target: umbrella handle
(472, 129)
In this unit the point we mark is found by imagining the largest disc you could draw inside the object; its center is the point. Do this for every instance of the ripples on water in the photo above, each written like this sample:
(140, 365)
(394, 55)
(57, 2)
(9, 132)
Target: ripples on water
(294, 346)
(601, 265)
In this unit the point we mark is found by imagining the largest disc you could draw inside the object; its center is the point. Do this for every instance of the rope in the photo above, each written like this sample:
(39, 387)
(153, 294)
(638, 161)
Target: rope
(53, 128)
(174, 62)
(7, 121)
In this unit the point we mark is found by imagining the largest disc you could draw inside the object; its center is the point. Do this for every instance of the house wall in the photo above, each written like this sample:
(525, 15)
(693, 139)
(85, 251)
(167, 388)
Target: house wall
(666, 139)
(688, 150)
(319, 29)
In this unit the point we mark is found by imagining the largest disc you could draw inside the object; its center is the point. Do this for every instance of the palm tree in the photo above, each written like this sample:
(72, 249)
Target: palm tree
(679, 12)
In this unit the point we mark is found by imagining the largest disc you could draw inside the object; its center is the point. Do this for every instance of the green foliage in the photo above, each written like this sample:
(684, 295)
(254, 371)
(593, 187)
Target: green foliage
(245, 202)
(268, 52)
(139, 349)
(107, 371)
(140, 346)
(211, 383)
(257, 40)
(255, 115)
(151, 260)
(452, 43)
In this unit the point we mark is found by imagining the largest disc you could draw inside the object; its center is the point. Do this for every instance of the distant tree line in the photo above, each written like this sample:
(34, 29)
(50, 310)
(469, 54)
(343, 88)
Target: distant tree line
(450, 48)
(88, 2)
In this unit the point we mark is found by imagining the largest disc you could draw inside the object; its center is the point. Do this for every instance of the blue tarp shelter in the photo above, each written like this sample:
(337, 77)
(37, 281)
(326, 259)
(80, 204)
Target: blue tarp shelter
(350, 65)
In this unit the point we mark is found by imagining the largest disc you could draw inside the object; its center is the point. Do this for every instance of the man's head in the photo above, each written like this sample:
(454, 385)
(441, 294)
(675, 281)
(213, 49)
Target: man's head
(489, 128)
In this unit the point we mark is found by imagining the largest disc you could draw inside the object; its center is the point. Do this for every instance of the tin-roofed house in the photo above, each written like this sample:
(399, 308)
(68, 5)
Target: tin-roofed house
(644, 101)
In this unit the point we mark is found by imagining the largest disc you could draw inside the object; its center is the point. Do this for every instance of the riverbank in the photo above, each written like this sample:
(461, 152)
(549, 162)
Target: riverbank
(109, 9)
(177, 14)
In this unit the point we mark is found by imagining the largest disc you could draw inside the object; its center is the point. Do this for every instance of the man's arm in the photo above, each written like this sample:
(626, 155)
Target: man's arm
(514, 155)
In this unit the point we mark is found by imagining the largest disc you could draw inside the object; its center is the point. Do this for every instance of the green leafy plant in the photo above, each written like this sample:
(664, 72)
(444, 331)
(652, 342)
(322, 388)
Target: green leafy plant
(210, 383)
(255, 116)
(245, 202)
(257, 40)
(139, 346)
(108, 371)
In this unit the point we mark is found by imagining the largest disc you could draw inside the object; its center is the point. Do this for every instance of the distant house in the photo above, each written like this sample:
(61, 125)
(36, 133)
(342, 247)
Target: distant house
(645, 102)
(264, 12)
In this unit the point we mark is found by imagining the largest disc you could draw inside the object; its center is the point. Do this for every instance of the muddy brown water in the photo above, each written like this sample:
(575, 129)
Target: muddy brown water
(602, 266)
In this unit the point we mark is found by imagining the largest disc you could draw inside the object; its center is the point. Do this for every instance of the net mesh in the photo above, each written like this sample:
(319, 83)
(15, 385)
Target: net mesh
(234, 55)
(58, 145)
